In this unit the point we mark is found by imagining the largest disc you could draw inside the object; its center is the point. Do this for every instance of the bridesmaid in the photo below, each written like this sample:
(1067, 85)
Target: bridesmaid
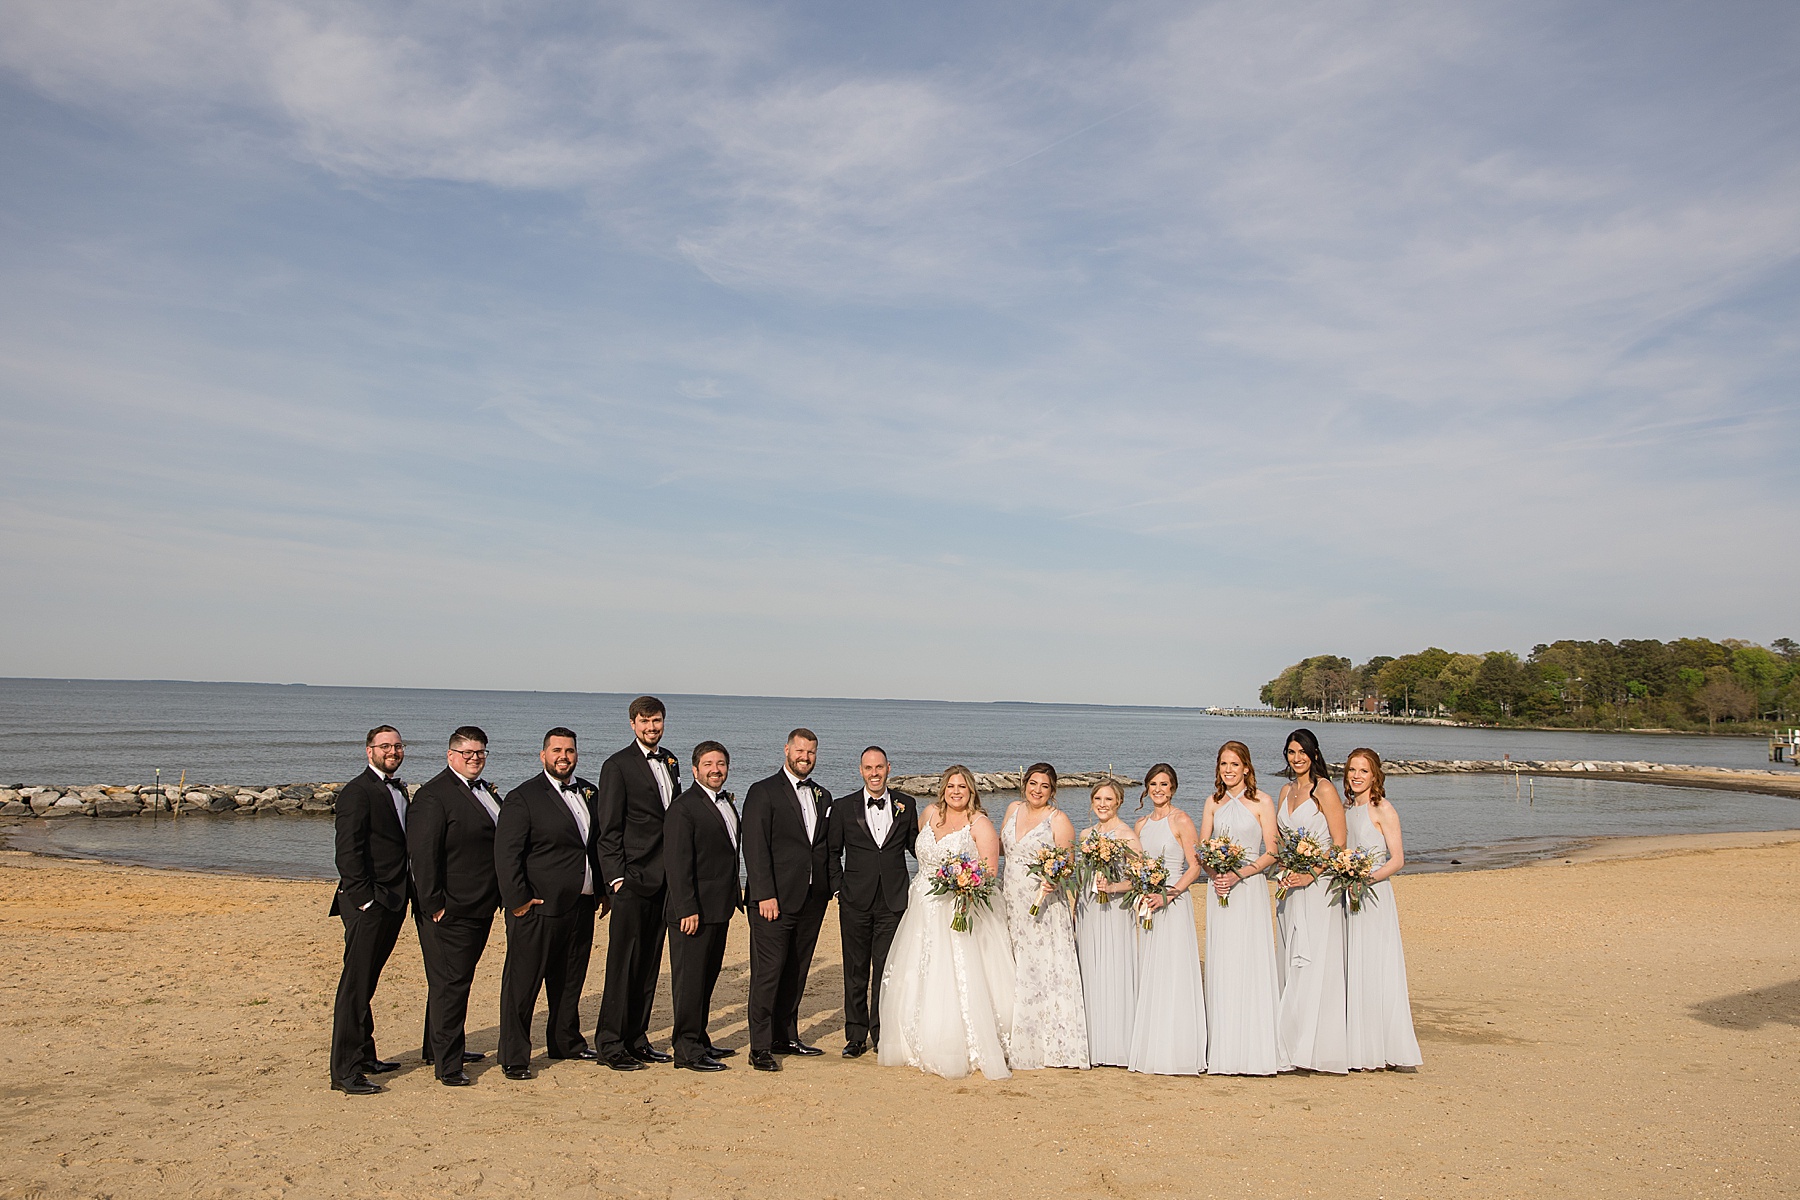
(1309, 925)
(1049, 1016)
(1168, 1032)
(1380, 1026)
(1106, 942)
(1241, 988)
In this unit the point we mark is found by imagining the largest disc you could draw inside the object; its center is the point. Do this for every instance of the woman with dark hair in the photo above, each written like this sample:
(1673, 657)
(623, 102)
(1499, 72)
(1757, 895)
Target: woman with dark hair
(1379, 1012)
(1310, 927)
(1168, 1032)
(1049, 1011)
(1241, 989)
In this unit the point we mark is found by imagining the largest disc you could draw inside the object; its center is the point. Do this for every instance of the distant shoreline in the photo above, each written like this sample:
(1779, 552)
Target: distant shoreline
(1452, 723)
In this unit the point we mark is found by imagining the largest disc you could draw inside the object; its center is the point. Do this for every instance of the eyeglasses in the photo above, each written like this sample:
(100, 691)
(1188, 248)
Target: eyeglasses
(470, 753)
(387, 745)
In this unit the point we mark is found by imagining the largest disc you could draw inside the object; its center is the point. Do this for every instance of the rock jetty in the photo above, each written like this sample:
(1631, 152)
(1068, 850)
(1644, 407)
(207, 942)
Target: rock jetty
(99, 800)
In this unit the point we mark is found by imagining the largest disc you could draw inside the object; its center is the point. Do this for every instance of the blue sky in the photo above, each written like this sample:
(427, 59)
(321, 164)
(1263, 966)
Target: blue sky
(1004, 351)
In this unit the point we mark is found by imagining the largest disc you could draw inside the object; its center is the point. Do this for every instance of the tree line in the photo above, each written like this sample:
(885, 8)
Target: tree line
(1683, 684)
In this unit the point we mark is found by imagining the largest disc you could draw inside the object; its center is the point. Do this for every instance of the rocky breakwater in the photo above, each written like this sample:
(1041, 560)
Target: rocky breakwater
(1460, 766)
(147, 800)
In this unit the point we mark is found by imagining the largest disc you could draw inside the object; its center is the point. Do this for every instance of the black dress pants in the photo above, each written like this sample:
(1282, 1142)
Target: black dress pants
(868, 934)
(694, 963)
(369, 937)
(634, 950)
(551, 953)
(453, 948)
(780, 956)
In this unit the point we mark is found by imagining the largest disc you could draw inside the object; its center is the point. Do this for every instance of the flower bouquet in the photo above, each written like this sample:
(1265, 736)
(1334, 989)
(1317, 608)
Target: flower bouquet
(1055, 866)
(1102, 859)
(969, 882)
(1300, 853)
(1219, 855)
(1350, 882)
(1148, 877)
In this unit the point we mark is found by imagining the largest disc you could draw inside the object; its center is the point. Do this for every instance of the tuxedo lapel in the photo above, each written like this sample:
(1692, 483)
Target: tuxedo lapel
(474, 801)
(562, 806)
(862, 812)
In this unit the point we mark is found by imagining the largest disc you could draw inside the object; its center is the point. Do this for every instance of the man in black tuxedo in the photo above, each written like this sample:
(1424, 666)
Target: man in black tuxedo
(637, 785)
(544, 857)
(450, 833)
(373, 888)
(791, 877)
(700, 854)
(873, 830)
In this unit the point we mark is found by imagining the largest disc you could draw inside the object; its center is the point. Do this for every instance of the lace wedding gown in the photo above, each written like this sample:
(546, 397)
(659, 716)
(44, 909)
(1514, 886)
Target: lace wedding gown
(1049, 1015)
(947, 997)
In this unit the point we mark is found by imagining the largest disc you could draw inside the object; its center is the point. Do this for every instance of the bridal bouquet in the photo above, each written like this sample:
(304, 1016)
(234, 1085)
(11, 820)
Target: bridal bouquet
(969, 881)
(1102, 859)
(1219, 855)
(1300, 853)
(1148, 877)
(1055, 866)
(1350, 882)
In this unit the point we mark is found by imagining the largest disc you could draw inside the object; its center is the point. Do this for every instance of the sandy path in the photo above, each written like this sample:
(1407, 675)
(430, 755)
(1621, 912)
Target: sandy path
(1624, 1026)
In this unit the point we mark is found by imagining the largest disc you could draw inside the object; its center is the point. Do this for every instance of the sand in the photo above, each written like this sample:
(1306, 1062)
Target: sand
(1627, 1024)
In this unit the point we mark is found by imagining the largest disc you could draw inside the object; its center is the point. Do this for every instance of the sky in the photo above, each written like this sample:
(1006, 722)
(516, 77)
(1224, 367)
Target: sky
(971, 351)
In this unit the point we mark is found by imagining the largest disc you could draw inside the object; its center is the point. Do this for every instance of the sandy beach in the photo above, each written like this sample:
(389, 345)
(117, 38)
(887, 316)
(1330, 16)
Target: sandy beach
(1624, 1020)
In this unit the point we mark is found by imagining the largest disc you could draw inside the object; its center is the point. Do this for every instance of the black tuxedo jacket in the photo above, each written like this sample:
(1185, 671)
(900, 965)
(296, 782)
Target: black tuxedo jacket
(632, 818)
(538, 848)
(371, 847)
(451, 838)
(778, 857)
(873, 873)
(701, 861)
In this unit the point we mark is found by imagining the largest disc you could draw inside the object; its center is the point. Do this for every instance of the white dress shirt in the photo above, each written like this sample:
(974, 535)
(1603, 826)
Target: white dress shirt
(809, 808)
(397, 794)
(881, 820)
(658, 768)
(725, 812)
(484, 794)
(578, 810)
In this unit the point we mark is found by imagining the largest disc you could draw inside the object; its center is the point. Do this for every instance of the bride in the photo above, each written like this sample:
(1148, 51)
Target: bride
(947, 997)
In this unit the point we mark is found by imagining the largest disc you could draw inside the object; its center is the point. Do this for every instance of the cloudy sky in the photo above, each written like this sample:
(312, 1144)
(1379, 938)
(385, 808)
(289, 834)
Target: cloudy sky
(968, 351)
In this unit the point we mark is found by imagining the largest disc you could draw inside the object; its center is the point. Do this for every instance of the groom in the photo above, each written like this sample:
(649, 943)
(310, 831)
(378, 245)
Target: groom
(791, 878)
(873, 830)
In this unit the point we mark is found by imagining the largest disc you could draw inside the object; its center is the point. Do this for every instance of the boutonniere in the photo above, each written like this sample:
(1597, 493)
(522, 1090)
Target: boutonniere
(899, 807)
(586, 791)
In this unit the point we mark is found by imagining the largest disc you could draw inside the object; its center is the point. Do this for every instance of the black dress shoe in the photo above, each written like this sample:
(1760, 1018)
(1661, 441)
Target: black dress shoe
(650, 1054)
(585, 1054)
(356, 1085)
(380, 1068)
(470, 1056)
(855, 1049)
(719, 1052)
(704, 1064)
(460, 1079)
(624, 1062)
(796, 1047)
(763, 1060)
(517, 1072)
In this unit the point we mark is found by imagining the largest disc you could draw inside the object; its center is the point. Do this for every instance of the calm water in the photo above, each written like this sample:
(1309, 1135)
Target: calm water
(100, 732)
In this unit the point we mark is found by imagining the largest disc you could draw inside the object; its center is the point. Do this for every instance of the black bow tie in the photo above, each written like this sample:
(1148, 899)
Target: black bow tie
(394, 781)
(878, 801)
(475, 785)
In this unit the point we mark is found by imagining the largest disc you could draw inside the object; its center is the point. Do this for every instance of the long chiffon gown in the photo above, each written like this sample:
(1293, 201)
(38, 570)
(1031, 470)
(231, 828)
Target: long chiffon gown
(946, 997)
(1241, 987)
(1379, 1027)
(1106, 944)
(1168, 1033)
(1312, 1013)
(1049, 1015)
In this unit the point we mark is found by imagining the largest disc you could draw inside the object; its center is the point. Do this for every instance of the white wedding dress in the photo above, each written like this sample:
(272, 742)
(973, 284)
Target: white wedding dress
(947, 997)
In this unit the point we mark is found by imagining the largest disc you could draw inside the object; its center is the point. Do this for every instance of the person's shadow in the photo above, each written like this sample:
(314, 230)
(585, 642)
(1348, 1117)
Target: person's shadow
(1775, 1005)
